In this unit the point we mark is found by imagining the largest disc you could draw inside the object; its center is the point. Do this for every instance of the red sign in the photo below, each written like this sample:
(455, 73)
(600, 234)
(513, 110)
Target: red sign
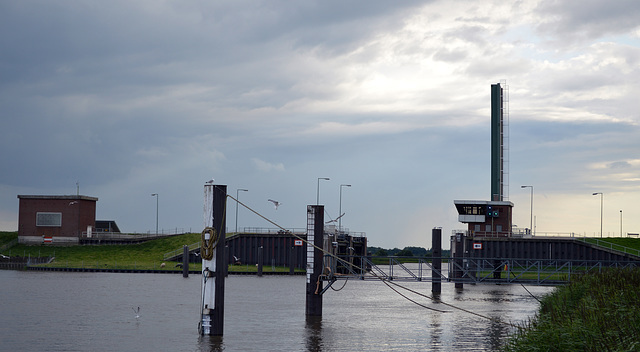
(297, 243)
(48, 239)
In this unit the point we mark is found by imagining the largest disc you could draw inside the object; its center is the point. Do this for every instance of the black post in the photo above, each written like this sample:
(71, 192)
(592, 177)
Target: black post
(292, 260)
(315, 237)
(260, 261)
(219, 203)
(436, 254)
(185, 261)
(459, 249)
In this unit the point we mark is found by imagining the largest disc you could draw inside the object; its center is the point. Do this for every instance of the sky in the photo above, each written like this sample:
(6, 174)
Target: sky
(119, 100)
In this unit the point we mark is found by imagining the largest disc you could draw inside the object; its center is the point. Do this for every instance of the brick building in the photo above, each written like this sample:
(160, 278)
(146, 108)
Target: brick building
(55, 219)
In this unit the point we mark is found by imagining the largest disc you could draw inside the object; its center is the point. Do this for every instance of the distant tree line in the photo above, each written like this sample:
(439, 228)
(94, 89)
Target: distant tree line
(405, 252)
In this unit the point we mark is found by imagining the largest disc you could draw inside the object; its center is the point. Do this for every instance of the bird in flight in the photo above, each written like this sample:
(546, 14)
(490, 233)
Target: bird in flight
(275, 203)
(137, 311)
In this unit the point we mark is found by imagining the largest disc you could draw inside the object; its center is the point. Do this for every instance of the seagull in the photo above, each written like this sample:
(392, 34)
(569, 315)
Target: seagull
(336, 219)
(210, 182)
(137, 311)
(74, 202)
(275, 203)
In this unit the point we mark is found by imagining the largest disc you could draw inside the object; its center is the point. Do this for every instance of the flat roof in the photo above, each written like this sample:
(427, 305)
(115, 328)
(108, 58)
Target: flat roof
(483, 202)
(74, 197)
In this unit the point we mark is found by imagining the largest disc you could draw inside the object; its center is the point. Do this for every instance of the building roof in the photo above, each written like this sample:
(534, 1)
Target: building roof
(74, 197)
(483, 202)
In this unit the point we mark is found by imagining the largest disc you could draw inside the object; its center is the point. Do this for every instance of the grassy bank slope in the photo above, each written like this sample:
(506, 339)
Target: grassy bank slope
(596, 312)
(143, 256)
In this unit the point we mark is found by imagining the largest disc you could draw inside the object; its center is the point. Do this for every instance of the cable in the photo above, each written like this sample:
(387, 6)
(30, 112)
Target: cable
(384, 280)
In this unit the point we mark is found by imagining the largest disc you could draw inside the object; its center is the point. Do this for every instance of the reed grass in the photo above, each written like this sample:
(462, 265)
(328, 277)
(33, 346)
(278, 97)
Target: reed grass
(596, 312)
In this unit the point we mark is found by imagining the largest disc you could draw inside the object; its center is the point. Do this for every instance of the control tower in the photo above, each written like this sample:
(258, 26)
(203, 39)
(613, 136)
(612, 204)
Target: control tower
(493, 217)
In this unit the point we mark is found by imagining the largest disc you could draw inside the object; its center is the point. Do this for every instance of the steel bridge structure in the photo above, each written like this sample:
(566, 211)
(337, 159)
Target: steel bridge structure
(465, 270)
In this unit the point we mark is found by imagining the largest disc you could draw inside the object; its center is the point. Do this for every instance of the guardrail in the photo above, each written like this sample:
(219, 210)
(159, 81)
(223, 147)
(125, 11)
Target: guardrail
(179, 251)
(611, 246)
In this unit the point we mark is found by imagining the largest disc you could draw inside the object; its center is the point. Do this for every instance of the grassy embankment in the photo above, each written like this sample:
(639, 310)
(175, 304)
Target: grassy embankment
(143, 256)
(595, 312)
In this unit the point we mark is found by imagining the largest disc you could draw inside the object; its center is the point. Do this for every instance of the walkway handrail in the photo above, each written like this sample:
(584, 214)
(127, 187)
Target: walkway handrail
(610, 245)
(178, 251)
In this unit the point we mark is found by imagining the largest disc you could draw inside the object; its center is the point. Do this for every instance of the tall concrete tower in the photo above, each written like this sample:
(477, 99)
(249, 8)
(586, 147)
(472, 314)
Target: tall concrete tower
(499, 143)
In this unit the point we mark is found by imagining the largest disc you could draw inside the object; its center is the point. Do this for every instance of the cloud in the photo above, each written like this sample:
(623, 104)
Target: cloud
(266, 166)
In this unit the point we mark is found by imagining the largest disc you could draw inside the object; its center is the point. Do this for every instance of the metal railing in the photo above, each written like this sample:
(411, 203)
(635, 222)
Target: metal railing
(479, 270)
(610, 246)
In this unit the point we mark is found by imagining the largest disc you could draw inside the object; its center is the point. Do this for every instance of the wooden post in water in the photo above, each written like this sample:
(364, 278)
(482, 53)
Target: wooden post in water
(315, 237)
(212, 252)
(260, 260)
(185, 261)
(292, 260)
(436, 254)
(458, 262)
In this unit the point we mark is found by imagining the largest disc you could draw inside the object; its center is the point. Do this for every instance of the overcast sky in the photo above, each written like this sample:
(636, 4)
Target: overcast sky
(133, 98)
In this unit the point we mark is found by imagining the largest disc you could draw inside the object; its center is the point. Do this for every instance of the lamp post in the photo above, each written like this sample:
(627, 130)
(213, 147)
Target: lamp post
(531, 220)
(318, 191)
(157, 196)
(601, 201)
(340, 209)
(620, 222)
(237, 197)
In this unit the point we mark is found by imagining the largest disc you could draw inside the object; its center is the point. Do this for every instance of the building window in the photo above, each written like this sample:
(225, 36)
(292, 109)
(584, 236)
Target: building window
(499, 228)
(49, 219)
(477, 228)
(487, 228)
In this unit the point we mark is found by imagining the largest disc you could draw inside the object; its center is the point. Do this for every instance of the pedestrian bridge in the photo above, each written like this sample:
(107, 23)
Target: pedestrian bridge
(466, 270)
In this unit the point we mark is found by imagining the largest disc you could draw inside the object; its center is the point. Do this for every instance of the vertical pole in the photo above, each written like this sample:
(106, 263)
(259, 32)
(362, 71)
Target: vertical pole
(212, 252)
(436, 253)
(185, 261)
(260, 260)
(315, 237)
(292, 260)
(459, 249)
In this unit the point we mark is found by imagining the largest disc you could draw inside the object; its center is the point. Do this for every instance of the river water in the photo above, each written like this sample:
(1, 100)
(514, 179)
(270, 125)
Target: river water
(66, 311)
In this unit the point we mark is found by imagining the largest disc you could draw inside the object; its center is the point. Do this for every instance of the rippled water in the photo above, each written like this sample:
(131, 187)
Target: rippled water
(53, 311)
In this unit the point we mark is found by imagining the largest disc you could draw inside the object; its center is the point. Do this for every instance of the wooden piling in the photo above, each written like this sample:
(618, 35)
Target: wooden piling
(315, 240)
(260, 260)
(213, 260)
(436, 253)
(185, 261)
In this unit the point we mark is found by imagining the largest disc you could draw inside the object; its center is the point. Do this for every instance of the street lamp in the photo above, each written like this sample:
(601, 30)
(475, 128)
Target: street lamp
(531, 220)
(237, 197)
(340, 209)
(620, 222)
(601, 200)
(157, 197)
(318, 191)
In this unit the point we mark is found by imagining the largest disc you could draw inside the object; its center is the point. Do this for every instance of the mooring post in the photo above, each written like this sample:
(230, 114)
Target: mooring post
(185, 261)
(260, 260)
(458, 262)
(315, 240)
(436, 254)
(292, 260)
(212, 252)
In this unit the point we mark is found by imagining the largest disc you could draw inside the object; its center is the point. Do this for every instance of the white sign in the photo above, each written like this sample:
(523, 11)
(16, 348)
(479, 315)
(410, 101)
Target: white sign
(477, 246)
(297, 243)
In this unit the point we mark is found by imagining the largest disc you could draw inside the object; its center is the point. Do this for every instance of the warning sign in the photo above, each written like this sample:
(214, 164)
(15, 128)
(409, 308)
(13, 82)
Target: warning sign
(477, 246)
(297, 243)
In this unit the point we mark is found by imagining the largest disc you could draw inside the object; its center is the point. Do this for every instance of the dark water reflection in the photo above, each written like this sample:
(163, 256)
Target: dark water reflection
(92, 312)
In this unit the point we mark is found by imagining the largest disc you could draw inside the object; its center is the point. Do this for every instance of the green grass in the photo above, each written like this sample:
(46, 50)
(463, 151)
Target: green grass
(7, 237)
(143, 256)
(595, 312)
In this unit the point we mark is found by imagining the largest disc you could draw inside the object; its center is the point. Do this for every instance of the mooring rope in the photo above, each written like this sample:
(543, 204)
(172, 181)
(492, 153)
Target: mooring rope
(384, 280)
